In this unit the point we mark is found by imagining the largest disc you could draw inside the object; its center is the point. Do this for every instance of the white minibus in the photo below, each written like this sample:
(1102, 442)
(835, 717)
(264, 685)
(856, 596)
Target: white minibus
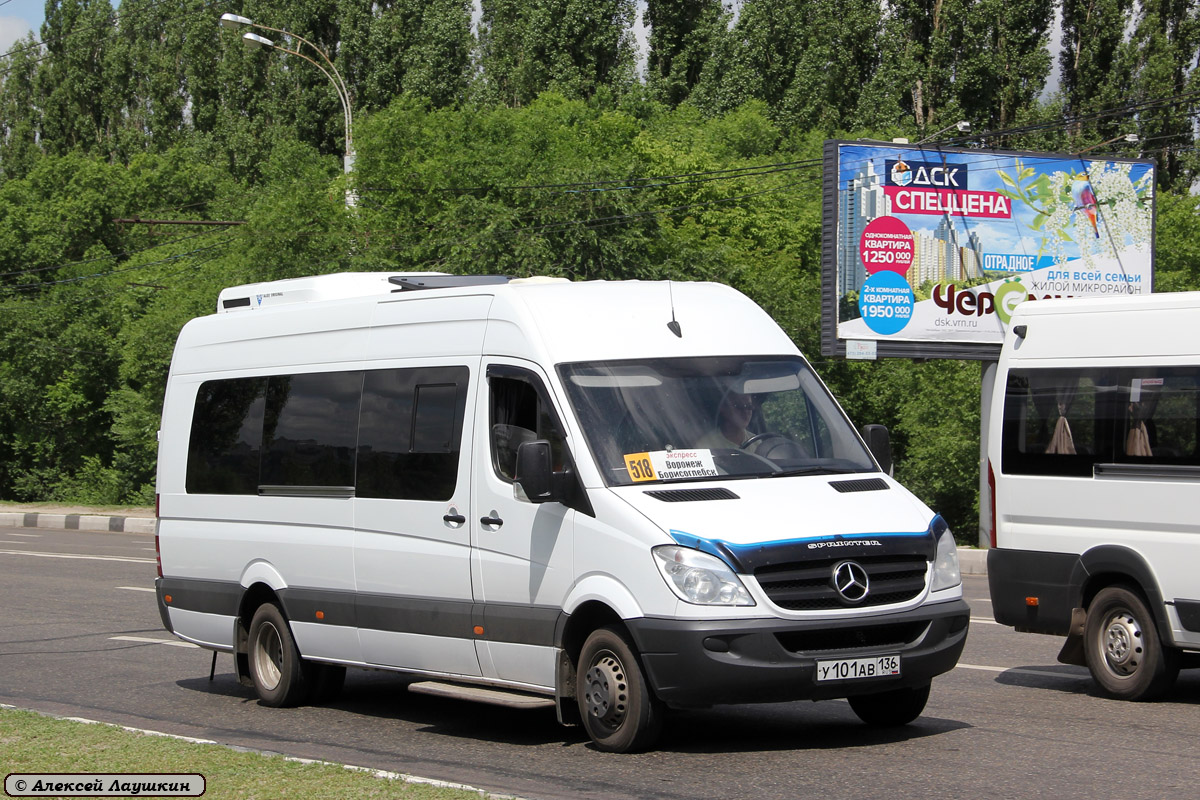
(1094, 469)
(610, 498)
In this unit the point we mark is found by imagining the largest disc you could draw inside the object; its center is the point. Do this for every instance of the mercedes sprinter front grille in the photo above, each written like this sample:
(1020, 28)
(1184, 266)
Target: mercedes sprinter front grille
(809, 585)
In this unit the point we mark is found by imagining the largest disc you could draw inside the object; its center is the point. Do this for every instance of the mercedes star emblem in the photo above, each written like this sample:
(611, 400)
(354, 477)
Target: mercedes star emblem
(850, 580)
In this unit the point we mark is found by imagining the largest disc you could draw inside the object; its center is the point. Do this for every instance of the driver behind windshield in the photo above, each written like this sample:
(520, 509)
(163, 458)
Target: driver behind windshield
(733, 415)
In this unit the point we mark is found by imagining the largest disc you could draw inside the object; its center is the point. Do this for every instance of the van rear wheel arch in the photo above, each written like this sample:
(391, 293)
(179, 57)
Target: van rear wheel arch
(254, 596)
(1116, 566)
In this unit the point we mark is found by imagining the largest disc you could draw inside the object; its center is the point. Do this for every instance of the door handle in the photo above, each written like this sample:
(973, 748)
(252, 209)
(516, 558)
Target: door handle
(495, 522)
(454, 519)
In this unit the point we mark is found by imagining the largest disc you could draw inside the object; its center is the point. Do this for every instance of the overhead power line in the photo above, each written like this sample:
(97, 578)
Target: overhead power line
(23, 288)
(140, 221)
(731, 172)
(106, 257)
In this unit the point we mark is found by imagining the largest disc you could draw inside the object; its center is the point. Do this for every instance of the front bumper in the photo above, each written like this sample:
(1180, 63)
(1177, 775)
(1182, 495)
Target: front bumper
(699, 663)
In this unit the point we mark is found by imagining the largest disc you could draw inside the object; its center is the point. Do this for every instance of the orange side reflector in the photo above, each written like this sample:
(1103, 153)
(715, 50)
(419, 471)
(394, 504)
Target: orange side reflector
(166, 598)
(1031, 602)
(479, 630)
(320, 615)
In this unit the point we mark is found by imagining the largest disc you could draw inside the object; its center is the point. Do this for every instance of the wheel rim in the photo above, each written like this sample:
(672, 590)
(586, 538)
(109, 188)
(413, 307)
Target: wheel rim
(1121, 642)
(606, 690)
(268, 656)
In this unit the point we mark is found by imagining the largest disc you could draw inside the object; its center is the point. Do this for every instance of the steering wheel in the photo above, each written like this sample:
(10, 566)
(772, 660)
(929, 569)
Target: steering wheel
(783, 441)
(758, 437)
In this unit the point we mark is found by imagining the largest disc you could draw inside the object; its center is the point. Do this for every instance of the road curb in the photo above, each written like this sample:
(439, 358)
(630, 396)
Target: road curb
(76, 522)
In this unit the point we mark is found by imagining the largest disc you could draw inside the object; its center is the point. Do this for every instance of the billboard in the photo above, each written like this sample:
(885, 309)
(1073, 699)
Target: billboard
(927, 250)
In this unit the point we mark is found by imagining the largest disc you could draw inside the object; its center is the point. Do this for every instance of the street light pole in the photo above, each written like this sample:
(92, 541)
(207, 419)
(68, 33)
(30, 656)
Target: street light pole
(255, 41)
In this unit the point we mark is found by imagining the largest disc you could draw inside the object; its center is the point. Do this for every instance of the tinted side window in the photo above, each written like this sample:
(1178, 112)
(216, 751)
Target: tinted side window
(411, 432)
(310, 429)
(1167, 404)
(1065, 421)
(226, 438)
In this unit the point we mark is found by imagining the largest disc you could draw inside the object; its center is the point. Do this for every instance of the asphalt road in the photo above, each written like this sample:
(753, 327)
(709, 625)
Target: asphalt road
(80, 636)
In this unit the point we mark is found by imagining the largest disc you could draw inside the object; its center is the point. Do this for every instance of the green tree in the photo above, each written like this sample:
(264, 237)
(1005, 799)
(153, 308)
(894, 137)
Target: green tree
(1092, 31)
(839, 57)
(78, 98)
(806, 59)
(165, 53)
(574, 47)
(756, 59)
(1007, 61)
(20, 115)
(1161, 58)
(681, 40)
(419, 48)
(920, 45)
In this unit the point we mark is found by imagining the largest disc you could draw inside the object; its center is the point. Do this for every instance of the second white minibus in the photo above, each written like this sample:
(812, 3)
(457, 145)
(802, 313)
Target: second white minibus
(1094, 469)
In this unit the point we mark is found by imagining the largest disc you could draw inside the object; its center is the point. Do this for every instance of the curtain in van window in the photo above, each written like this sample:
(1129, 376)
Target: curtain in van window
(1056, 392)
(1137, 442)
(1146, 416)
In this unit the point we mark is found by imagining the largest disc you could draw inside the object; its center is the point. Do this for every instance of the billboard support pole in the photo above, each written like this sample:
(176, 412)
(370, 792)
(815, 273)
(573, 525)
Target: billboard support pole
(986, 384)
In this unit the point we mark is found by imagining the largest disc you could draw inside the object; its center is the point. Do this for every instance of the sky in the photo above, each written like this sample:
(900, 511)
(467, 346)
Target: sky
(17, 18)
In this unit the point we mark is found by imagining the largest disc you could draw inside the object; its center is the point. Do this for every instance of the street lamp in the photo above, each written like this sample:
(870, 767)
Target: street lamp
(962, 125)
(253, 41)
(1132, 138)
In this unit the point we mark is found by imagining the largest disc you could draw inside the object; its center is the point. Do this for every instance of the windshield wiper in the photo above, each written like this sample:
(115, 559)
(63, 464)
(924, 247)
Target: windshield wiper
(788, 473)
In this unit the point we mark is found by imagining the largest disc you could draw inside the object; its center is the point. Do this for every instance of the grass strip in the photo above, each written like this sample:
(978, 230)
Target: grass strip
(35, 743)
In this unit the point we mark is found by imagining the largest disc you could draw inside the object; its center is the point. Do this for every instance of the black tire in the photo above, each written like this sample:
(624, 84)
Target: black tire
(281, 677)
(891, 709)
(620, 712)
(1123, 649)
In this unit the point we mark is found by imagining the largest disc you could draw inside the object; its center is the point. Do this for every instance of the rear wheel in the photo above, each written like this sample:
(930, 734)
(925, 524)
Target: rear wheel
(1123, 651)
(619, 711)
(280, 675)
(891, 709)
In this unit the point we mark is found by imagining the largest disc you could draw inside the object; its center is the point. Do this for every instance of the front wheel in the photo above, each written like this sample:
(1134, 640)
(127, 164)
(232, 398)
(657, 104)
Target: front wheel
(1123, 651)
(619, 711)
(891, 709)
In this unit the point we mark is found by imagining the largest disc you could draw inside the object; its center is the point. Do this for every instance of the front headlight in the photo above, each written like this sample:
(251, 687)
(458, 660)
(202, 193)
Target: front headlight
(699, 578)
(945, 563)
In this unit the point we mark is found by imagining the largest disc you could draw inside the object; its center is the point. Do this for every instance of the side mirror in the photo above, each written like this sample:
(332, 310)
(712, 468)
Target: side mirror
(535, 473)
(879, 442)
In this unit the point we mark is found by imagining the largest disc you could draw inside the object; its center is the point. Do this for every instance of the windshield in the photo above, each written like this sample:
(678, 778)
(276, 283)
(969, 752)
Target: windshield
(675, 419)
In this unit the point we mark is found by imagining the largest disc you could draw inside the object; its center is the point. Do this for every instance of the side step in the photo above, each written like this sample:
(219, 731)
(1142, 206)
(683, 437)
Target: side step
(480, 694)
